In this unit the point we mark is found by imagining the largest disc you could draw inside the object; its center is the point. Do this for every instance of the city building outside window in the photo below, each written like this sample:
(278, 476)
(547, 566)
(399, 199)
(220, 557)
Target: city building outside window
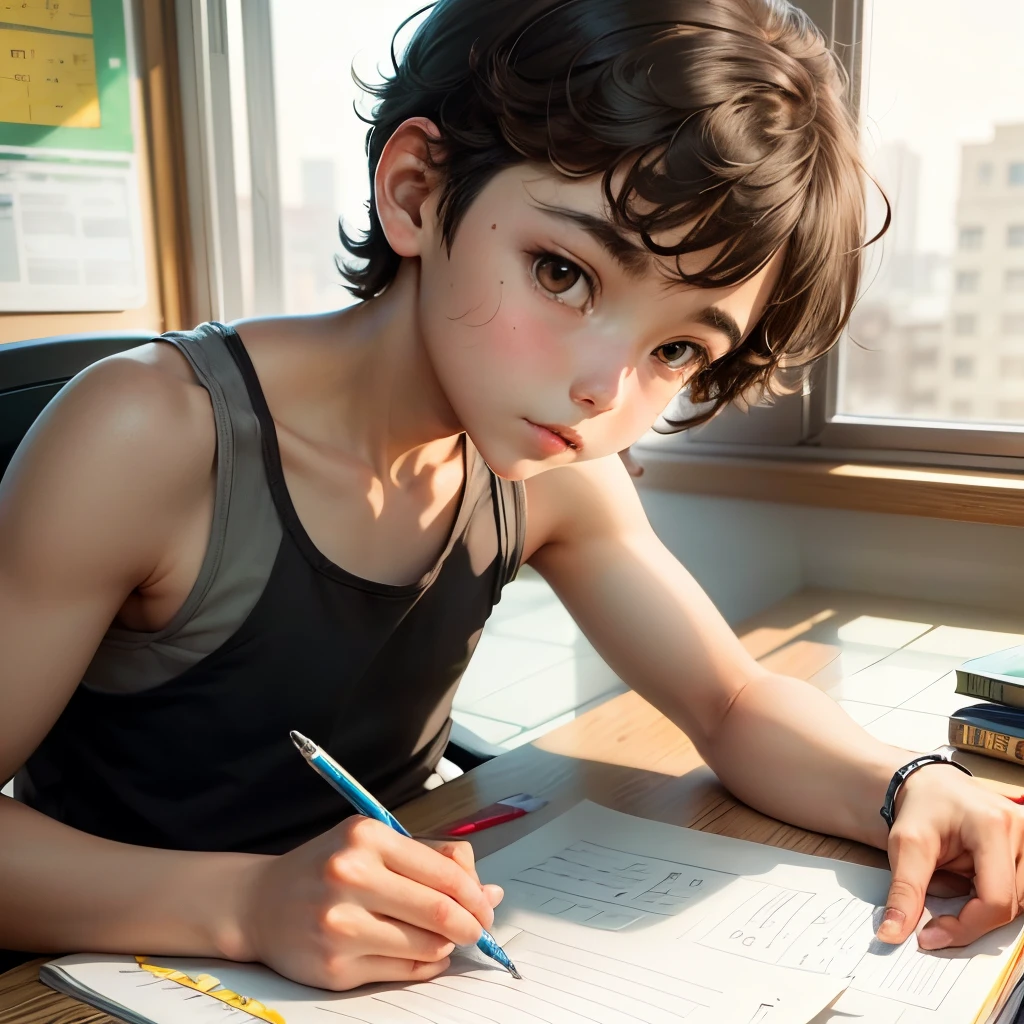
(967, 281)
(1012, 367)
(971, 237)
(964, 324)
(963, 367)
(948, 149)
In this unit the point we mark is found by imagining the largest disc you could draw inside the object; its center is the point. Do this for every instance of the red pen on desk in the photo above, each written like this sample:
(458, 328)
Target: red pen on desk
(506, 809)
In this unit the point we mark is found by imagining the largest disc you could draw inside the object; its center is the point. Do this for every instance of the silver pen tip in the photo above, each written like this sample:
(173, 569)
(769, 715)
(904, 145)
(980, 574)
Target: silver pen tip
(306, 746)
(512, 970)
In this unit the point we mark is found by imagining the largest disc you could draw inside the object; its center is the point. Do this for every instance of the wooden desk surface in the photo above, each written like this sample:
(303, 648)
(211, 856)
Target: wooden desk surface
(627, 756)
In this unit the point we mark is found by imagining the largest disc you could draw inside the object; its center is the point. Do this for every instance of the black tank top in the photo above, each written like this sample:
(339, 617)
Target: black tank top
(203, 761)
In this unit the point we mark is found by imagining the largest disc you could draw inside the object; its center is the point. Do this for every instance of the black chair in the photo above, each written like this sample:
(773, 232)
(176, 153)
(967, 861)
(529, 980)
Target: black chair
(32, 372)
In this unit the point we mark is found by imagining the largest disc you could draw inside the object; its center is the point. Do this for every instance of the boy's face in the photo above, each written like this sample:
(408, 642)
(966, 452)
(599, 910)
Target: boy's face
(534, 323)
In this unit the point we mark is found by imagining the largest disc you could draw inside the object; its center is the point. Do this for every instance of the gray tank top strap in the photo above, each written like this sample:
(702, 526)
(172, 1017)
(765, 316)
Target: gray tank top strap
(244, 538)
(510, 518)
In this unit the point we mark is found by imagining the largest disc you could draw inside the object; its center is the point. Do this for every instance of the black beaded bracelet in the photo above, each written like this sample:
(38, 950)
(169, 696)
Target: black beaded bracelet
(888, 810)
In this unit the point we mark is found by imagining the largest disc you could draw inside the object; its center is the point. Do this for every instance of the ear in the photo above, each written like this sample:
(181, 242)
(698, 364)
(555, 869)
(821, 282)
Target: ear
(404, 186)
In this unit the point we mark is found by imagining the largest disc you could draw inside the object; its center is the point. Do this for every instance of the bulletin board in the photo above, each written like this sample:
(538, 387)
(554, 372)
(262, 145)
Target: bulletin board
(70, 211)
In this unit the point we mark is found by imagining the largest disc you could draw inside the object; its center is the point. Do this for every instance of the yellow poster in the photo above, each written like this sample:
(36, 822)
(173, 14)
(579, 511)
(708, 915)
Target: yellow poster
(47, 79)
(58, 15)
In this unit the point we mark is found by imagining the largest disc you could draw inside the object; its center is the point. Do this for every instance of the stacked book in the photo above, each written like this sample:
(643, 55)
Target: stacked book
(996, 728)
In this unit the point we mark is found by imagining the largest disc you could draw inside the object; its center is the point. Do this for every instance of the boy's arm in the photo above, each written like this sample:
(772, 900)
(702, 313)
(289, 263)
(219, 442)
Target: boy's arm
(92, 508)
(88, 511)
(778, 743)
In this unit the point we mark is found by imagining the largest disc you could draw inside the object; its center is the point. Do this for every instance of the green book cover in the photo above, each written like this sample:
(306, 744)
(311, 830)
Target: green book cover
(997, 677)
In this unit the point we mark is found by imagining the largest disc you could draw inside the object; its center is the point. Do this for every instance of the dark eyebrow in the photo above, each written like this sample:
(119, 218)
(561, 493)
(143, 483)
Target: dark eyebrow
(634, 259)
(725, 323)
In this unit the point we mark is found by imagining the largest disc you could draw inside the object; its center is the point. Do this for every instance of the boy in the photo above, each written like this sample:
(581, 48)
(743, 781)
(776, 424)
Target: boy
(579, 208)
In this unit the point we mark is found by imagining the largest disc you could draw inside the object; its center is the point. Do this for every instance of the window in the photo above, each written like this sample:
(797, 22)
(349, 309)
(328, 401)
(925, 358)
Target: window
(1012, 367)
(937, 144)
(963, 367)
(964, 324)
(924, 358)
(1013, 324)
(320, 168)
(924, 403)
(967, 281)
(971, 236)
(942, 146)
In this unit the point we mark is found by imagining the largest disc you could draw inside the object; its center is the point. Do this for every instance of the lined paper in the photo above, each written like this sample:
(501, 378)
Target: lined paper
(561, 984)
(617, 920)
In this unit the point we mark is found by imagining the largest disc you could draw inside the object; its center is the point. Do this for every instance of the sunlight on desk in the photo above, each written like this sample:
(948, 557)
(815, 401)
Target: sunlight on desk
(881, 632)
(762, 640)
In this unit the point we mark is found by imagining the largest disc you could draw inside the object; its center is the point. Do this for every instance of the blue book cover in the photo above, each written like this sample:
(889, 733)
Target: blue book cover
(996, 717)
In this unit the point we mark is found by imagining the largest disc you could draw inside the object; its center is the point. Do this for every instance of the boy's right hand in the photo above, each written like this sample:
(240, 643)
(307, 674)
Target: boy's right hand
(362, 903)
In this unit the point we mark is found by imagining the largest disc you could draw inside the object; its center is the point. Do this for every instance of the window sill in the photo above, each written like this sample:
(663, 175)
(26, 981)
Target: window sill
(938, 493)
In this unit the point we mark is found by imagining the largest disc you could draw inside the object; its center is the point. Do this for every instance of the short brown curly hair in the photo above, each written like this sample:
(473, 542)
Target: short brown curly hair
(731, 119)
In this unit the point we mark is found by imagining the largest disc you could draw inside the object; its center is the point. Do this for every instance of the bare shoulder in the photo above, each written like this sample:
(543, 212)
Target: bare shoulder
(126, 446)
(585, 501)
(91, 509)
(289, 352)
(139, 403)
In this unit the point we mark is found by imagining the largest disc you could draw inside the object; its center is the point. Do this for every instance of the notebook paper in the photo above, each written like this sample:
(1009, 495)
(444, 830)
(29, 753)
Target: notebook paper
(562, 984)
(750, 903)
(612, 918)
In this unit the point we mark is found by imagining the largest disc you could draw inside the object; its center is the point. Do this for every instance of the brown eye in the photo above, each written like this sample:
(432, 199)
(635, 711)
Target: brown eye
(679, 354)
(556, 274)
(563, 280)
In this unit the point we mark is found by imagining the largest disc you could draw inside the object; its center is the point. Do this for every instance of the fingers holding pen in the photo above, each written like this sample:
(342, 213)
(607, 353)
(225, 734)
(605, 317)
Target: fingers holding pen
(462, 853)
(456, 850)
(442, 874)
(400, 878)
(357, 931)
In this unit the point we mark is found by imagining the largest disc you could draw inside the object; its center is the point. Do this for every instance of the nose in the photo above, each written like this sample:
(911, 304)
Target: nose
(599, 390)
(600, 375)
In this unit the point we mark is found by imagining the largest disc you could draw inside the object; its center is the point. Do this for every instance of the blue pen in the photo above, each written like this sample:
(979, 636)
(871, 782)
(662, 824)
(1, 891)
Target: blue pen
(367, 804)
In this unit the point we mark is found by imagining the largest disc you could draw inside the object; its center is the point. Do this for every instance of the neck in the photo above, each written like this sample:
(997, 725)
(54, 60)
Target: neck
(397, 415)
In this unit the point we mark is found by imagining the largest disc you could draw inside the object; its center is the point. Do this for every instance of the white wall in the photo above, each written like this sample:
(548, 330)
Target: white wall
(749, 554)
(746, 555)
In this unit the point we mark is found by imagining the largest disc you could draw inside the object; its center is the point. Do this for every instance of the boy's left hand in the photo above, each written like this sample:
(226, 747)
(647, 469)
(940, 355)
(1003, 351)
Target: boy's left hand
(948, 823)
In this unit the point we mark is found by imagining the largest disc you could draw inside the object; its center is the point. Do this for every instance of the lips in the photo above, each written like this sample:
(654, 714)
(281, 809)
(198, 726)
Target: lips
(567, 434)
